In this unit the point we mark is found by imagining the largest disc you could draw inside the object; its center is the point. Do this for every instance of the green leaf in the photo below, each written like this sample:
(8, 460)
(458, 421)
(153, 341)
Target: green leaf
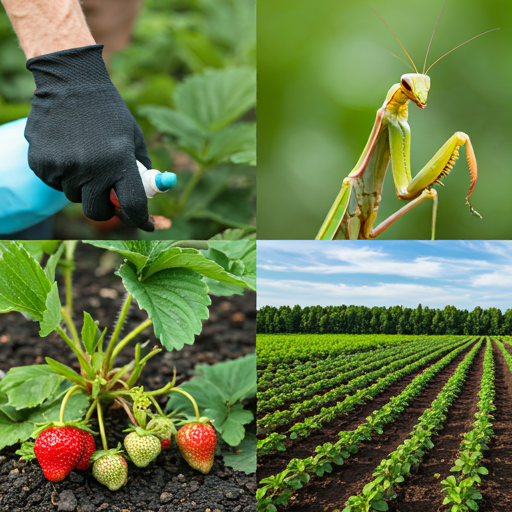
(244, 458)
(235, 234)
(242, 256)
(380, 505)
(473, 505)
(228, 141)
(26, 451)
(192, 259)
(222, 289)
(76, 407)
(232, 429)
(176, 301)
(483, 471)
(65, 371)
(28, 386)
(216, 98)
(135, 251)
(232, 208)
(245, 157)
(236, 379)
(12, 432)
(52, 262)
(90, 334)
(23, 283)
(187, 131)
(52, 315)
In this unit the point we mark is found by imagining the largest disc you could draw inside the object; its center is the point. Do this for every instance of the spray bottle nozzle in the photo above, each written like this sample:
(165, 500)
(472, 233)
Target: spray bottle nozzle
(165, 181)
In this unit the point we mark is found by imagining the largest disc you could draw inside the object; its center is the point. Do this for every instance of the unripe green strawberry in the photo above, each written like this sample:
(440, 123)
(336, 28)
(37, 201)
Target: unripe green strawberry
(111, 470)
(58, 450)
(196, 442)
(89, 449)
(142, 449)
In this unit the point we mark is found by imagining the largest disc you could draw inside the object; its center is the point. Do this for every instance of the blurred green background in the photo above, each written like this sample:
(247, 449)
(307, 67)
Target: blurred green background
(324, 69)
(205, 49)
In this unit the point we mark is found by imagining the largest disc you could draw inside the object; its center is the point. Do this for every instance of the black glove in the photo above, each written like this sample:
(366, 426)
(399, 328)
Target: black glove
(83, 139)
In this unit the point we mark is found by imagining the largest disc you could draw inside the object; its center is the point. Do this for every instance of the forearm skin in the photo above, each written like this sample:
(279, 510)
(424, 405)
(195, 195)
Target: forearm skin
(47, 26)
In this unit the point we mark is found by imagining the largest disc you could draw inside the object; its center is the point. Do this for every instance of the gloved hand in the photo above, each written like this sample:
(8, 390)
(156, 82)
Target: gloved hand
(83, 139)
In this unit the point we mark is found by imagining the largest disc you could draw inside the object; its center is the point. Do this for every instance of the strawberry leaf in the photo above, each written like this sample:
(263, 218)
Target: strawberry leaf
(28, 386)
(243, 456)
(52, 315)
(23, 283)
(176, 301)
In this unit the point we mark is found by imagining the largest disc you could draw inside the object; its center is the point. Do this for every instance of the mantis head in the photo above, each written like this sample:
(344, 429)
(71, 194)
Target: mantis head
(415, 87)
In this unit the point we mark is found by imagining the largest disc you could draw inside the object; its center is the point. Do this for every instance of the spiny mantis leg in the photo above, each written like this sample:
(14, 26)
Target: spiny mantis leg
(441, 164)
(426, 194)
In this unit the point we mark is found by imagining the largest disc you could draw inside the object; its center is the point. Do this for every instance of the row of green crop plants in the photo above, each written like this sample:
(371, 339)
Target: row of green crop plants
(461, 488)
(359, 390)
(326, 378)
(285, 348)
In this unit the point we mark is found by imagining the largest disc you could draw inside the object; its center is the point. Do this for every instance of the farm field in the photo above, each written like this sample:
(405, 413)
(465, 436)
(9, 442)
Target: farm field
(384, 422)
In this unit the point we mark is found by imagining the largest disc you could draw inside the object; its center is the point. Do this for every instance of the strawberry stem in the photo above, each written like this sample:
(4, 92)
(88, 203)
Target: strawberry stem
(158, 408)
(78, 352)
(91, 410)
(69, 264)
(191, 398)
(130, 336)
(102, 427)
(71, 390)
(108, 357)
(71, 326)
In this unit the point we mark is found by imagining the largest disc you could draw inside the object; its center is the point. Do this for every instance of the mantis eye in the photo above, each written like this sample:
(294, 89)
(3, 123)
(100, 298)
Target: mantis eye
(406, 85)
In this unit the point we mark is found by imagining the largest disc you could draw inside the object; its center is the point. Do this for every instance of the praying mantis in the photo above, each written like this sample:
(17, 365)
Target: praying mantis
(354, 212)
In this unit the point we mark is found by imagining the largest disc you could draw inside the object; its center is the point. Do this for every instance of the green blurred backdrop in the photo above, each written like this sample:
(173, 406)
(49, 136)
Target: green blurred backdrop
(324, 69)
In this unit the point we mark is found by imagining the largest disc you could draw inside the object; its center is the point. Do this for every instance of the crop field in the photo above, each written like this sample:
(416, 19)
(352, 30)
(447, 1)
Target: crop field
(359, 423)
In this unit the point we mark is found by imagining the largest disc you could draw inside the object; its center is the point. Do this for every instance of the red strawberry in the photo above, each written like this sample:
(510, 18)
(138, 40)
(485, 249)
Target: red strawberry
(196, 442)
(89, 449)
(59, 450)
(166, 443)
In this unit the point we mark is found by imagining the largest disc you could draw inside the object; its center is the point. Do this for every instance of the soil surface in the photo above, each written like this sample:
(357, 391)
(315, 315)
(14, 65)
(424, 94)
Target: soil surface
(168, 484)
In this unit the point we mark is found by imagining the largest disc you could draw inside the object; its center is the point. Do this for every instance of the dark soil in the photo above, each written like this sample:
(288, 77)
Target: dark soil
(332, 491)
(303, 447)
(422, 491)
(168, 484)
(496, 487)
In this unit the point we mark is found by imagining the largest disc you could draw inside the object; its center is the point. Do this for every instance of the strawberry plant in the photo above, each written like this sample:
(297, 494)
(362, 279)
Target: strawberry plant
(54, 404)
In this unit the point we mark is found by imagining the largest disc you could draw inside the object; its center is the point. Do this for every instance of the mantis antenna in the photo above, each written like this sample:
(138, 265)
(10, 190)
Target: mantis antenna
(461, 44)
(400, 58)
(432, 36)
(398, 40)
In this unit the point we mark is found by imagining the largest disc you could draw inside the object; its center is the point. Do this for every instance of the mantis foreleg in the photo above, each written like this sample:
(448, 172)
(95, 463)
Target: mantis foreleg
(418, 189)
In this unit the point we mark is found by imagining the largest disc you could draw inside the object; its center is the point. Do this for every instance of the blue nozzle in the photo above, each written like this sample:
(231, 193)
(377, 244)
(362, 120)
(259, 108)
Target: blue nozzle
(165, 180)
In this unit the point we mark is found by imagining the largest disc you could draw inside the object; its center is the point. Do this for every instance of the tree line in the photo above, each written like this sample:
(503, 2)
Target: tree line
(382, 320)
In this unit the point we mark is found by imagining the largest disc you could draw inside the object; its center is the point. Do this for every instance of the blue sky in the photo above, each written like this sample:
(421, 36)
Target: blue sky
(461, 273)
